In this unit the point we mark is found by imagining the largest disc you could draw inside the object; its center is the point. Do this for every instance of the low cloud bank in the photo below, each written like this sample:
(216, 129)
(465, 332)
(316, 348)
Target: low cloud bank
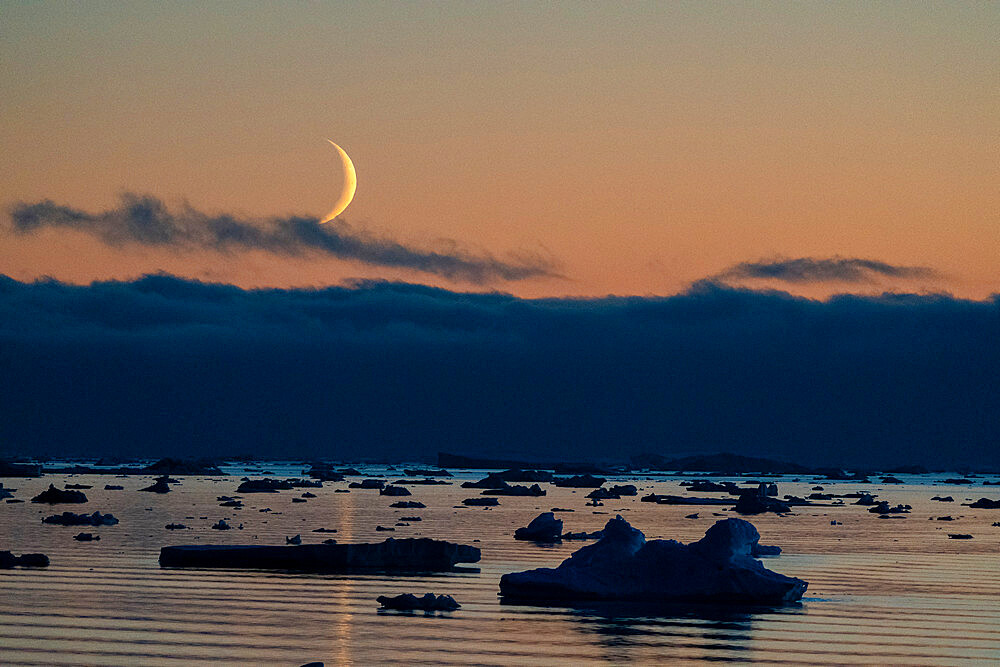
(163, 365)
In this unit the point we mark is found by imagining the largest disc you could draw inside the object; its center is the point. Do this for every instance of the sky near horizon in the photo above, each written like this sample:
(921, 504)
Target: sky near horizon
(541, 149)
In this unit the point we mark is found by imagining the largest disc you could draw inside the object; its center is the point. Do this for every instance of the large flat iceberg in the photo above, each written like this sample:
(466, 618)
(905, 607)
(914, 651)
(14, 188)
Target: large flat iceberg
(624, 566)
(407, 555)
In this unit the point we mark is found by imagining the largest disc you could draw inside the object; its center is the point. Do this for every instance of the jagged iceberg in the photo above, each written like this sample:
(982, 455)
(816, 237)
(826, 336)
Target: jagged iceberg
(624, 566)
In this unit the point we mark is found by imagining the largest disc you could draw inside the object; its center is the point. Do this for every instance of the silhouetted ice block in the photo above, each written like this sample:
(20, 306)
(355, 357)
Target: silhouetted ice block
(624, 566)
(667, 499)
(407, 555)
(408, 504)
(759, 500)
(52, 495)
(543, 528)
(985, 503)
(481, 502)
(613, 493)
(516, 490)
(9, 560)
(410, 602)
(159, 486)
(71, 519)
(579, 481)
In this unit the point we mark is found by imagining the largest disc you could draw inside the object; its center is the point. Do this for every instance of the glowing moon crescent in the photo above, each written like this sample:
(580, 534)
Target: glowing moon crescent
(350, 185)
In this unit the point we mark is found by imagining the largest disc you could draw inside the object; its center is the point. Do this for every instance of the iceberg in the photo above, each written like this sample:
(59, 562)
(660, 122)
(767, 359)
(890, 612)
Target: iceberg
(624, 566)
(543, 528)
(407, 555)
(410, 602)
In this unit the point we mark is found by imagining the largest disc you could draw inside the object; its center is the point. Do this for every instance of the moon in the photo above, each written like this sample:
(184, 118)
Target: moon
(349, 187)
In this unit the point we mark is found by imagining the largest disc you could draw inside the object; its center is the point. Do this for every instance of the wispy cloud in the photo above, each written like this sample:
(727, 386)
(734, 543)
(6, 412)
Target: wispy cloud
(818, 270)
(145, 220)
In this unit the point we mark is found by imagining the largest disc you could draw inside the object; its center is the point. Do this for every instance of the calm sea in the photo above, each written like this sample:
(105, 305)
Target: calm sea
(881, 591)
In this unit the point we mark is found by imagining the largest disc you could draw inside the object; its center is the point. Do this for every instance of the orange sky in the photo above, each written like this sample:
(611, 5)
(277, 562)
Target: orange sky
(642, 147)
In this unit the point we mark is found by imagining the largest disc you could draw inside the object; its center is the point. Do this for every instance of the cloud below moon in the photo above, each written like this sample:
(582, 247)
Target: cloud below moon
(146, 221)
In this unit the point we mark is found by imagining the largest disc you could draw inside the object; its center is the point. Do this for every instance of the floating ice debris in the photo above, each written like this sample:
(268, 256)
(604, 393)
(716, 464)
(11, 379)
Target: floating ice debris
(308, 494)
(407, 555)
(408, 504)
(579, 481)
(79, 486)
(613, 493)
(959, 536)
(159, 486)
(421, 482)
(410, 518)
(294, 540)
(957, 481)
(691, 516)
(113, 487)
(943, 499)
(481, 502)
(71, 519)
(379, 529)
(865, 499)
(417, 472)
(9, 560)
(985, 504)
(683, 500)
(86, 537)
(543, 528)
(221, 525)
(325, 473)
(584, 535)
(706, 486)
(265, 485)
(169, 466)
(624, 566)
(175, 526)
(758, 501)
(394, 491)
(299, 500)
(410, 602)
(324, 530)
(52, 496)
(367, 484)
(882, 507)
(491, 481)
(516, 490)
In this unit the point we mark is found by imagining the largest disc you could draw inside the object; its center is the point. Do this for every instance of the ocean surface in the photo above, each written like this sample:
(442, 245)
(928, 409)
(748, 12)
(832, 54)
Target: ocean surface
(881, 591)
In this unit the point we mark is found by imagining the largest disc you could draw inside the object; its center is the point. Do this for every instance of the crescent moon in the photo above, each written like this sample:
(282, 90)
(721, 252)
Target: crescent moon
(350, 185)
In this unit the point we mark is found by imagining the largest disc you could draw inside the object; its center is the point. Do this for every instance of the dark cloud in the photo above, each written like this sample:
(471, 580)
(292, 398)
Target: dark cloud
(165, 365)
(147, 221)
(817, 270)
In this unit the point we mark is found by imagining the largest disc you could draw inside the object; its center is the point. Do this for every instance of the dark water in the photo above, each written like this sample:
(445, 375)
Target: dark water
(881, 591)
